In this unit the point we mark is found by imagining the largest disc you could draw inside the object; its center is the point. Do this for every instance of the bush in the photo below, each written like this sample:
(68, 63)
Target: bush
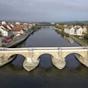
(86, 36)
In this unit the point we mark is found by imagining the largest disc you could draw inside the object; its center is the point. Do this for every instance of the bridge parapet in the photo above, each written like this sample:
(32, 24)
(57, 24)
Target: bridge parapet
(32, 54)
(43, 48)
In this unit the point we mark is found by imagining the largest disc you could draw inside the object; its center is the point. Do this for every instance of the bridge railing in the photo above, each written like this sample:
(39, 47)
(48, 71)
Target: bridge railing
(42, 48)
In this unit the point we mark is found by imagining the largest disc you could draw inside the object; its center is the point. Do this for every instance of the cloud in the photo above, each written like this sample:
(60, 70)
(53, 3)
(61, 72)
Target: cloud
(44, 10)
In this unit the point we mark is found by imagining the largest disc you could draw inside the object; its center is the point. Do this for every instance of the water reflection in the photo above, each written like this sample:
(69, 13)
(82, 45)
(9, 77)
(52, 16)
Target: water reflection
(70, 40)
(18, 62)
(48, 37)
(45, 61)
(72, 63)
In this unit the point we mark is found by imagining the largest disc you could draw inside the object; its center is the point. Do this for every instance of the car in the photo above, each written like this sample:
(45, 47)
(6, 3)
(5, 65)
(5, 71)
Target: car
(7, 39)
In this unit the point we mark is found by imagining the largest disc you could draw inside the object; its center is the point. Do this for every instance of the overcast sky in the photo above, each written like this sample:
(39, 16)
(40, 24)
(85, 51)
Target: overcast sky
(44, 10)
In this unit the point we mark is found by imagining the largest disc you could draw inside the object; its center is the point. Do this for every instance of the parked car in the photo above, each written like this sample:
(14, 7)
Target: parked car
(7, 39)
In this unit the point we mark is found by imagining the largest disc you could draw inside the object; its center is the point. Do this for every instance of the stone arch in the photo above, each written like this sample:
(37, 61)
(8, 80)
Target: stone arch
(18, 59)
(28, 64)
(44, 54)
(57, 60)
(51, 57)
(78, 56)
(33, 62)
(14, 55)
(10, 58)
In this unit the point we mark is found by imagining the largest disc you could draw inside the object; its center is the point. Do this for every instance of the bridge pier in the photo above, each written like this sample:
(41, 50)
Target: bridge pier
(4, 59)
(29, 64)
(58, 62)
(84, 59)
(32, 54)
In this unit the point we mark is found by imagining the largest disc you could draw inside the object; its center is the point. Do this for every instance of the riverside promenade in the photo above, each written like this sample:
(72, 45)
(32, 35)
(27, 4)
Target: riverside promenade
(18, 40)
(81, 42)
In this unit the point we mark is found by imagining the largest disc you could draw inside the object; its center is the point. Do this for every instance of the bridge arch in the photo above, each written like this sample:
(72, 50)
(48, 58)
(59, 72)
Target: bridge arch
(10, 58)
(46, 58)
(56, 59)
(79, 59)
(44, 54)
(17, 60)
(32, 55)
(27, 63)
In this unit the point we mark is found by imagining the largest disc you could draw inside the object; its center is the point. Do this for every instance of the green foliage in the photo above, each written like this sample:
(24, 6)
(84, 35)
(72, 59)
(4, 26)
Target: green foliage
(86, 36)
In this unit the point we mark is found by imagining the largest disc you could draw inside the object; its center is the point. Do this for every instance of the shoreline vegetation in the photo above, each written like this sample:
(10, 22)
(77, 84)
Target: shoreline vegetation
(80, 40)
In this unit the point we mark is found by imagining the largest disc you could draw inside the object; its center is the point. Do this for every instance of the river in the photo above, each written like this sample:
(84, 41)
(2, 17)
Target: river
(74, 75)
(47, 37)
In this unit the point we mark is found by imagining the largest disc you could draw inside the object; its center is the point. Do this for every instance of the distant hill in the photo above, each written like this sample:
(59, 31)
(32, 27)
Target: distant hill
(74, 22)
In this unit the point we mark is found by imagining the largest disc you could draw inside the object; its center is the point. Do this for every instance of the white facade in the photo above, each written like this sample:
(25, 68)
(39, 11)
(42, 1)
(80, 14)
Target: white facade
(3, 22)
(80, 31)
(72, 31)
(84, 30)
(76, 30)
(3, 32)
(66, 30)
(18, 23)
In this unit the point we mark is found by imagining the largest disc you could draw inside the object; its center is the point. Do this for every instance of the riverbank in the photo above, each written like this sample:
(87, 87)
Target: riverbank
(19, 40)
(81, 42)
(16, 40)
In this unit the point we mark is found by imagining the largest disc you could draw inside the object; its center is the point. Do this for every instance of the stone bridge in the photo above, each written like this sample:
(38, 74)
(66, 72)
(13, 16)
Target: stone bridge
(32, 55)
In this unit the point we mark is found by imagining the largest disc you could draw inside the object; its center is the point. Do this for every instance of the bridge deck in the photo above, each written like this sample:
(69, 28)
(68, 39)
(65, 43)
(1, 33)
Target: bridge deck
(43, 48)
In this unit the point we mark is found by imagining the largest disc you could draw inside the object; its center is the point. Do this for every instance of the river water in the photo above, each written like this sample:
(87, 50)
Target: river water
(74, 75)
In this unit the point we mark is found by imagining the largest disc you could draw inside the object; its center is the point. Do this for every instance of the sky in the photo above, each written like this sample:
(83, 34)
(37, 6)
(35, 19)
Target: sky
(44, 10)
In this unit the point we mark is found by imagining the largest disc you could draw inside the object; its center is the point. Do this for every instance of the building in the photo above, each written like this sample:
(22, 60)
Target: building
(3, 32)
(66, 30)
(84, 29)
(18, 30)
(72, 31)
(76, 30)
(79, 31)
